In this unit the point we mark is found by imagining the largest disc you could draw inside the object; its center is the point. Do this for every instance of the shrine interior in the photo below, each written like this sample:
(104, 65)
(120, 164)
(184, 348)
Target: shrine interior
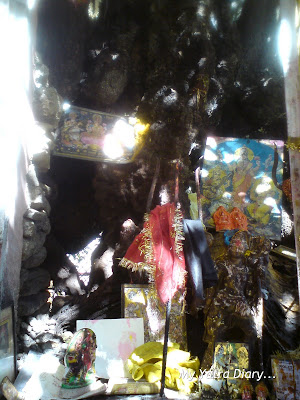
(150, 178)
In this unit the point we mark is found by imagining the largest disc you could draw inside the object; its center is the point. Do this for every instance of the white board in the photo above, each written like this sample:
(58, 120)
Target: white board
(116, 340)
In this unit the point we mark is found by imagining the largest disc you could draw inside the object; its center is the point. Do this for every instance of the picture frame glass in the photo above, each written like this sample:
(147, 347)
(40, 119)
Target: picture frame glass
(96, 136)
(7, 344)
(239, 173)
(141, 301)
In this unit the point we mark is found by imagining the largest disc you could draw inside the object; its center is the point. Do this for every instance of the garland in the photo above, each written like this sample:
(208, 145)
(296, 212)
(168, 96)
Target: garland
(293, 143)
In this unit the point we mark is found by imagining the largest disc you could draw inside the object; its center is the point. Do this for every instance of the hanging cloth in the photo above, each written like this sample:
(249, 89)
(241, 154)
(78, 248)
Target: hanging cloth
(199, 263)
(158, 249)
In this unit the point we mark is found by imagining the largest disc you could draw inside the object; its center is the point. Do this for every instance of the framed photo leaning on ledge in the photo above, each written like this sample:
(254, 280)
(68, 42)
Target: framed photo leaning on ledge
(7, 344)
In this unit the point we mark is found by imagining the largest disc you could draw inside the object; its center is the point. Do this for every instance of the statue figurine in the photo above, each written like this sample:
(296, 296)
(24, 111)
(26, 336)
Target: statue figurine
(246, 390)
(261, 391)
(239, 219)
(234, 299)
(222, 219)
(80, 359)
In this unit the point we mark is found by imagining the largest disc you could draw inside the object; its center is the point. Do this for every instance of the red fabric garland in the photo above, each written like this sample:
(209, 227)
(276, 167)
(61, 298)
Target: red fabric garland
(158, 249)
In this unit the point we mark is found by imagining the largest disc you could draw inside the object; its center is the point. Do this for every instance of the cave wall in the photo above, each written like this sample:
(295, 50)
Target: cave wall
(189, 69)
(156, 56)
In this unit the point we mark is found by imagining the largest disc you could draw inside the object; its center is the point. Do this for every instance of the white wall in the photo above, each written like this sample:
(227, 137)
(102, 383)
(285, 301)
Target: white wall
(15, 124)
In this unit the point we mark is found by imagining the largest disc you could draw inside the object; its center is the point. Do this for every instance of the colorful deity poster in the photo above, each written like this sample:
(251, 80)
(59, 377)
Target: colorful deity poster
(238, 173)
(231, 357)
(231, 361)
(97, 136)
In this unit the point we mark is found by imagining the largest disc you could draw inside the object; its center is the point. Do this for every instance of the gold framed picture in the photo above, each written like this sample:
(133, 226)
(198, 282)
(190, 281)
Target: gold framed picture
(141, 301)
(231, 357)
(97, 136)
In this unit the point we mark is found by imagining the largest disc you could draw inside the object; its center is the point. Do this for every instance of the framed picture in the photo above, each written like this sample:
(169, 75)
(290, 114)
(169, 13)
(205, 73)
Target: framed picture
(285, 252)
(7, 344)
(231, 361)
(98, 136)
(238, 173)
(286, 377)
(230, 356)
(141, 301)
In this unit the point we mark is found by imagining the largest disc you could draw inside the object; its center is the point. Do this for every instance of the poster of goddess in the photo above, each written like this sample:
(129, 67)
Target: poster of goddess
(97, 136)
(238, 173)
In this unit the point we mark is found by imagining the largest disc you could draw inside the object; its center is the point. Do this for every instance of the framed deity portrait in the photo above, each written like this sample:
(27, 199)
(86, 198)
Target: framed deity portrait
(141, 301)
(243, 173)
(7, 344)
(97, 136)
(231, 356)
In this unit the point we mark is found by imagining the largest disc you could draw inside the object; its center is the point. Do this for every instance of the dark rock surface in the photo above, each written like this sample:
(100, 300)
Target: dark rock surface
(190, 69)
(28, 305)
(37, 279)
(208, 64)
(36, 259)
(187, 68)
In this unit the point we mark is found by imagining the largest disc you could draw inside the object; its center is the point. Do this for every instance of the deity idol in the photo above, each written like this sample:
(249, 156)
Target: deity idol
(232, 302)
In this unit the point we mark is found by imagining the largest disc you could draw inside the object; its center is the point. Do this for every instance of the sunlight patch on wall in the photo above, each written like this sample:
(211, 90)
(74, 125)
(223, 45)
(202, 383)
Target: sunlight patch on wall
(285, 44)
(287, 224)
(82, 259)
(16, 115)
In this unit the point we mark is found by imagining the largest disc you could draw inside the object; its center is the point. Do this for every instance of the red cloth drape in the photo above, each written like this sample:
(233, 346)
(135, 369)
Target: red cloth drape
(159, 250)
